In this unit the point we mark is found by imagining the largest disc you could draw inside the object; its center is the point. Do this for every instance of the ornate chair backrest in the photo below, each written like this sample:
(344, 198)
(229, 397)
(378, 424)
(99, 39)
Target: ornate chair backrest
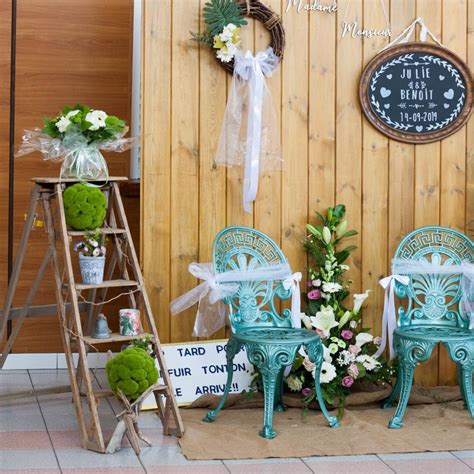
(434, 299)
(253, 305)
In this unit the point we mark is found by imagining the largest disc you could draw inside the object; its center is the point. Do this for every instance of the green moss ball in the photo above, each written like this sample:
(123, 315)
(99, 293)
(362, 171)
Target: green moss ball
(85, 206)
(132, 371)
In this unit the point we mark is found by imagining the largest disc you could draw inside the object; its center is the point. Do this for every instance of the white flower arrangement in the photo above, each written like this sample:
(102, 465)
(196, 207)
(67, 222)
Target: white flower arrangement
(227, 43)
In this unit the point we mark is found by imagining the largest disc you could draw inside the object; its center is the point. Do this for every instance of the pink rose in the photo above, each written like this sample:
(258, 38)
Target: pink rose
(314, 295)
(346, 334)
(347, 381)
(353, 371)
(306, 392)
(354, 349)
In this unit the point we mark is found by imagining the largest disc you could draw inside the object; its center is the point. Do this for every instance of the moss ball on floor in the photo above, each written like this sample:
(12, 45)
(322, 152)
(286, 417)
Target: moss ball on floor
(132, 371)
(85, 206)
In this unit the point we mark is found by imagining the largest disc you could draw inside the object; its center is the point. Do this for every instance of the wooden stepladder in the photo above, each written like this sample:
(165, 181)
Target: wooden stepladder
(70, 302)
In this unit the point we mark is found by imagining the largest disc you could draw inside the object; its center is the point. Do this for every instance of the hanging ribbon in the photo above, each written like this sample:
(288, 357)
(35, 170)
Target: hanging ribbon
(211, 314)
(389, 319)
(293, 284)
(407, 33)
(254, 69)
(249, 134)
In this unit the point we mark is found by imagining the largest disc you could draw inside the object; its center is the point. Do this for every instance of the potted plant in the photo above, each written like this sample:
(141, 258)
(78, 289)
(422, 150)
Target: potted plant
(92, 257)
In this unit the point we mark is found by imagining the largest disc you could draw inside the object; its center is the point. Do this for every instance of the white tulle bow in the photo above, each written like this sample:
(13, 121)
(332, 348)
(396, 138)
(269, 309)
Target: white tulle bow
(211, 313)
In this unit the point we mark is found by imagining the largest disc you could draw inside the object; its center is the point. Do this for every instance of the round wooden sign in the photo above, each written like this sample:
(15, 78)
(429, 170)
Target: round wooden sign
(416, 92)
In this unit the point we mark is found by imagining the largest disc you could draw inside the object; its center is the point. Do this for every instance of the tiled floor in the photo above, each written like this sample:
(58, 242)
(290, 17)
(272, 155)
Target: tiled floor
(39, 435)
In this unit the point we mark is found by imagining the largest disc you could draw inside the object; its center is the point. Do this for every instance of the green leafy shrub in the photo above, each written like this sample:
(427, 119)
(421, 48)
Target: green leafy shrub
(132, 371)
(84, 206)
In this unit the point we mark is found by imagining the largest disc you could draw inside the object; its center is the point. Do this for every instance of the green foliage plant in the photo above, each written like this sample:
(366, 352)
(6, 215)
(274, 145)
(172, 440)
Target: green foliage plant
(85, 206)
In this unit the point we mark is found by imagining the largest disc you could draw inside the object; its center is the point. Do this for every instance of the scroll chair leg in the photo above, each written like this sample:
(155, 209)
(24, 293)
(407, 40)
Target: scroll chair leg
(232, 348)
(410, 353)
(278, 403)
(315, 355)
(388, 402)
(463, 354)
(269, 376)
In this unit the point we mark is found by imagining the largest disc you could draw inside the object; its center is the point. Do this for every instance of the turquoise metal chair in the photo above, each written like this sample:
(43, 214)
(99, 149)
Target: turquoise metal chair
(268, 337)
(431, 313)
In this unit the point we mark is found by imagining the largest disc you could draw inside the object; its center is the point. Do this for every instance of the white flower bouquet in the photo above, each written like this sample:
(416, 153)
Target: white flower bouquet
(76, 137)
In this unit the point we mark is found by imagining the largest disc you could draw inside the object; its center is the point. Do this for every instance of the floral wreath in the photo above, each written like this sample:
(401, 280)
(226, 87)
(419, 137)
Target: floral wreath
(223, 19)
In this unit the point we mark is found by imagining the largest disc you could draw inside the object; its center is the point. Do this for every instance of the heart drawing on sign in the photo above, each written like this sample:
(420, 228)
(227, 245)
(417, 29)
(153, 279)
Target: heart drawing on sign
(449, 94)
(419, 128)
(446, 106)
(389, 76)
(387, 106)
(385, 92)
(441, 77)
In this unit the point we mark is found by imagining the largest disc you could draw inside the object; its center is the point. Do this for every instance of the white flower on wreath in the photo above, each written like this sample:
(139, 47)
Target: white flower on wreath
(324, 320)
(328, 372)
(363, 338)
(227, 32)
(224, 55)
(294, 383)
(97, 119)
(331, 287)
(369, 362)
(346, 358)
(62, 124)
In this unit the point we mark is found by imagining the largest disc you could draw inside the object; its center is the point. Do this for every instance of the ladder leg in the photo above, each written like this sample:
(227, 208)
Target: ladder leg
(63, 323)
(95, 430)
(30, 217)
(171, 400)
(26, 307)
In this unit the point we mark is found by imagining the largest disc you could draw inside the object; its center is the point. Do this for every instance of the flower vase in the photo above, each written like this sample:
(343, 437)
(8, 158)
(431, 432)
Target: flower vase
(92, 269)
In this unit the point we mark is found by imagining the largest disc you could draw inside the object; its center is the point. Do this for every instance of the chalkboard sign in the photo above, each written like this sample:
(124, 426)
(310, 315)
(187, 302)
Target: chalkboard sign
(416, 92)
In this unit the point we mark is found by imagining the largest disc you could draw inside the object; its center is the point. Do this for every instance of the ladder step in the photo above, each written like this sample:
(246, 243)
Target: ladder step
(108, 231)
(114, 337)
(107, 284)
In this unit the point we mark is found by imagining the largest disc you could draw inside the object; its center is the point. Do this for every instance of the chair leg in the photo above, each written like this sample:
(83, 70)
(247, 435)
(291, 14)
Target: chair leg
(462, 352)
(269, 376)
(232, 348)
(278, 403)
(406, 371)
(388, 402)
(315, 355)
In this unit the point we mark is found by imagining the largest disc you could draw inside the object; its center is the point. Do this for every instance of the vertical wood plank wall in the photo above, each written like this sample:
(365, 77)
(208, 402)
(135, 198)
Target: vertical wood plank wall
(332, 154)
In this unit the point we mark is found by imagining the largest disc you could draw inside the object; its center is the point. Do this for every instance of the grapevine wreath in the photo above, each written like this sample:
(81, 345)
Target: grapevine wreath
(223, 19)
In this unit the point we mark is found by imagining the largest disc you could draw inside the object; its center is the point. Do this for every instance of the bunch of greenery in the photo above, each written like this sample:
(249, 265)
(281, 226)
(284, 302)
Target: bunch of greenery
(348, 346)
(217, 15)
(93, 125)
(85, 206)
(131, 371)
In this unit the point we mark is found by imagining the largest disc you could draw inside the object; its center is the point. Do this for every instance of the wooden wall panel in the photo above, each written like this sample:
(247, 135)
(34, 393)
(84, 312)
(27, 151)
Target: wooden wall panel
(81, 53)
(332, 154)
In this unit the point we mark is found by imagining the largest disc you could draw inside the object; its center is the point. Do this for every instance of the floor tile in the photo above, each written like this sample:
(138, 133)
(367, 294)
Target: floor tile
(62, 404)
(105, 470)
(280, 465)
(434, 463)
(194, 469)
(68, 422)
(347, 464)
(81, 458)
(16, 361)
(15, 421)
(26, 405)
(28, 459)
(30, 471)
(467, 457)
(169, 456)
(25, 440)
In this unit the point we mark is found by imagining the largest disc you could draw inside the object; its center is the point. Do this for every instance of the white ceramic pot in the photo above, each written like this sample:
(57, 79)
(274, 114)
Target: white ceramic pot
(92, 269)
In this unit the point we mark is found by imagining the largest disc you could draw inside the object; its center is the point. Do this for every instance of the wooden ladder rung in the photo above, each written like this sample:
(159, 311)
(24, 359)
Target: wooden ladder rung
(114, 337)
(105, 231)
(107, 284)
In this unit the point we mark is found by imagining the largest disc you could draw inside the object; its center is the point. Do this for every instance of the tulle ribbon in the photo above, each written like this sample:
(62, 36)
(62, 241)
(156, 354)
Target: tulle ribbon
(249, 129)
(401, 268)
(211, 313)
(80, 159)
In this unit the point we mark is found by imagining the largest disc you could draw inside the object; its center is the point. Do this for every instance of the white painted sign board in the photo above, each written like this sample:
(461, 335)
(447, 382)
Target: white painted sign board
(198, 368)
